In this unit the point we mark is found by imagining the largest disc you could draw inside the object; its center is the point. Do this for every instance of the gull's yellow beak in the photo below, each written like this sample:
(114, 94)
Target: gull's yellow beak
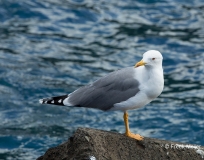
(140, 63)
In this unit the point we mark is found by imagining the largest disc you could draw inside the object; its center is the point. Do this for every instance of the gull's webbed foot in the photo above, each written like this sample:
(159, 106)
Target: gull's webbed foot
(134, 136)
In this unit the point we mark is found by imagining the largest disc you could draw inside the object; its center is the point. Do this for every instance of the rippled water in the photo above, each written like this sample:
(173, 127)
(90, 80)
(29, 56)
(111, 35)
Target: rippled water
(53, 47)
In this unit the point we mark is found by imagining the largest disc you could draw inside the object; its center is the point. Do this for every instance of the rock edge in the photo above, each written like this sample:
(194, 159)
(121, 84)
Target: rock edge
(93, 144)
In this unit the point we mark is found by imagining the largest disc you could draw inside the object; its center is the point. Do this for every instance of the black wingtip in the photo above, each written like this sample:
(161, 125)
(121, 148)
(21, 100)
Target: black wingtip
(54, 100)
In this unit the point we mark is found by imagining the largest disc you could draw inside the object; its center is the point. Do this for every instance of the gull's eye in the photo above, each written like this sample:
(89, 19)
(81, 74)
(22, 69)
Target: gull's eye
(153, 58)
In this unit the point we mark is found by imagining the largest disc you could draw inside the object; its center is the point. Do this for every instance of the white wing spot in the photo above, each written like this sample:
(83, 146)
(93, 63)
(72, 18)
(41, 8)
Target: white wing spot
(52, 101)
(60, 101)
(45, 102)
(41, 101)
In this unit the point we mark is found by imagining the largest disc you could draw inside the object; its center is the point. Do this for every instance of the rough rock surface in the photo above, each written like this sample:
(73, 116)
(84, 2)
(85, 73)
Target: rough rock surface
(92, 144)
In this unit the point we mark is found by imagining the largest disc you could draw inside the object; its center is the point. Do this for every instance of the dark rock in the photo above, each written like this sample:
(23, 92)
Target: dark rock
(92, 144)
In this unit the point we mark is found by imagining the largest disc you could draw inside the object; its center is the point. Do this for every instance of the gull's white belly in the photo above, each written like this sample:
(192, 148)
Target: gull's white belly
(150, 88)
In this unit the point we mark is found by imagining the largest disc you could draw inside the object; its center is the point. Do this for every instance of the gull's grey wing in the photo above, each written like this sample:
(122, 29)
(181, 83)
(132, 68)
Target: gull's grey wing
(116, 87)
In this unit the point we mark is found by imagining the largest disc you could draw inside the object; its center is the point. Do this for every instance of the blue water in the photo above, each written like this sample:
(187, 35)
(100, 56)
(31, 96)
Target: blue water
(51, 47)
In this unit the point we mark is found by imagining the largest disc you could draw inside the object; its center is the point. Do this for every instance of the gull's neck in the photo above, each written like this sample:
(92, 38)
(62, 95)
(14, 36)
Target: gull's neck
(155, 72)
(154, 81)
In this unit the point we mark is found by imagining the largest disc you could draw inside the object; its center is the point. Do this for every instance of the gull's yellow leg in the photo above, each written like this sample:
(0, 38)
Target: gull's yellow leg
(127, 132)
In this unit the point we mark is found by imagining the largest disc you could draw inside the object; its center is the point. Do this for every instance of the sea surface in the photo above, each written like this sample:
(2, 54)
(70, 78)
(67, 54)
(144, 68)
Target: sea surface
(52, 47)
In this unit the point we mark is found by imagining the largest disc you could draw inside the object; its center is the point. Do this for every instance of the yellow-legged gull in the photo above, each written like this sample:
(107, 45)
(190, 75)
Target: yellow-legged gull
(125, 89)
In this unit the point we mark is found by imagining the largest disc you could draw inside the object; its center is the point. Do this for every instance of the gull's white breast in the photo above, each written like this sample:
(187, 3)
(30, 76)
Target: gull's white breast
(151, 86)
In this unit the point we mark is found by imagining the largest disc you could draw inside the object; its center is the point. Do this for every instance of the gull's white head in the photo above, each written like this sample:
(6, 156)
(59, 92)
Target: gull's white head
(151, 58)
